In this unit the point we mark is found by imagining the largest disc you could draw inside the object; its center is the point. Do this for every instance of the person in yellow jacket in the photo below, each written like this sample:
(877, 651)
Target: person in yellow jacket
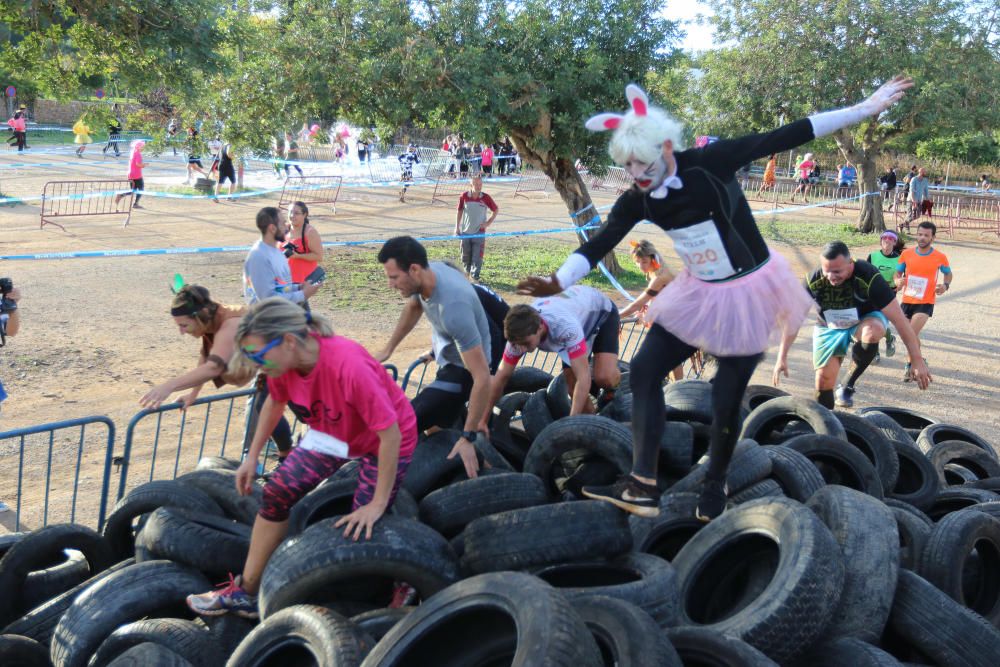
(82, 133)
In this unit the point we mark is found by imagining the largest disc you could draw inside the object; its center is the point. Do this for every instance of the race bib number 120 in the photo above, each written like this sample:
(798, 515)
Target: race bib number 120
(700, 248)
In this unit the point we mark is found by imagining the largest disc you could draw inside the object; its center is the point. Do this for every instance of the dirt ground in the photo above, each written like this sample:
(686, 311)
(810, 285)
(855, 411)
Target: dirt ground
(96, 334)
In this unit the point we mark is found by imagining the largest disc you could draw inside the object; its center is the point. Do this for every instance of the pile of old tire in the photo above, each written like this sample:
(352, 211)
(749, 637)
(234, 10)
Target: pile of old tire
(870, 538)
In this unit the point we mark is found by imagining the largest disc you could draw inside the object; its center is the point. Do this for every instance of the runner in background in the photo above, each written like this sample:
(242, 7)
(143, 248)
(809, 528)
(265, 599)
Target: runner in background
(886, 259)
(854, 308)
(917, 278)
(82, 132)
(406, 162)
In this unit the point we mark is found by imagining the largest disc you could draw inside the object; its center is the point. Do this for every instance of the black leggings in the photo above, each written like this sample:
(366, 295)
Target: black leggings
(137, 186)
(660, 353)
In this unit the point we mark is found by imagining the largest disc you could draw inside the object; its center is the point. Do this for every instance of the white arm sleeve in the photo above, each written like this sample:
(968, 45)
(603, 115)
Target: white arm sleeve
(575, 267)
(830, 121)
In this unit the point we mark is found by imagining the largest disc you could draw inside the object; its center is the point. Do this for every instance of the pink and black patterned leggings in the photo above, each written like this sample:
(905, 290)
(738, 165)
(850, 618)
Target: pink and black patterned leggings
(304, 469)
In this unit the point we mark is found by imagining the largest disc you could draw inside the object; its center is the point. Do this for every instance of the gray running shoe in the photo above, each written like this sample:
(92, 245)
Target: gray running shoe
(890, 344)
(845, 397)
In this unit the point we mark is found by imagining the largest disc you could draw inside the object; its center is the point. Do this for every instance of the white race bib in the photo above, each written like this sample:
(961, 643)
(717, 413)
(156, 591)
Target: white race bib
(841, 319)
(700, 248)
(915, 287)
(324, 443)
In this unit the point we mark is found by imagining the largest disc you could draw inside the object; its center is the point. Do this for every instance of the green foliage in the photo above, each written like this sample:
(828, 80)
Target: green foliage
(972, 148)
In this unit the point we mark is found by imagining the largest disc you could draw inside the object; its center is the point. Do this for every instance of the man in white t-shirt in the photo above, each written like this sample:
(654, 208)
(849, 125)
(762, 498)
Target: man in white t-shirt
(574, 323)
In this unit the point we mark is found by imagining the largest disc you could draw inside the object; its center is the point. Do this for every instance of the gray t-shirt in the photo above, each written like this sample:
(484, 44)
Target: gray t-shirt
(266, 274)
(457, 319)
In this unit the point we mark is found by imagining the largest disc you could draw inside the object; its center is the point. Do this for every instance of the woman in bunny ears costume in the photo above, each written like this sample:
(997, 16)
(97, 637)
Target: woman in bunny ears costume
(734, 297)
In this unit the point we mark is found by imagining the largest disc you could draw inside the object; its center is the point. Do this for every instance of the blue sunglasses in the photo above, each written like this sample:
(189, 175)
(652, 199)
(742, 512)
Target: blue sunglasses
(258, 356)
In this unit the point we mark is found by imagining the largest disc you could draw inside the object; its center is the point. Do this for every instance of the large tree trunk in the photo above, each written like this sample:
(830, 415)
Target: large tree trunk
(568, 183)
(870, 217)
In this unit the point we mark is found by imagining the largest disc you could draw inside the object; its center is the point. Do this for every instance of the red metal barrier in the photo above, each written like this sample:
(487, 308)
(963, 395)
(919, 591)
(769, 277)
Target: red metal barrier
(68, 199)
(310, 190)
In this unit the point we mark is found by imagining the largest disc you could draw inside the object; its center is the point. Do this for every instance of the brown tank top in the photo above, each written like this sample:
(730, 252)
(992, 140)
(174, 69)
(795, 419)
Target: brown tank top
(222, 314)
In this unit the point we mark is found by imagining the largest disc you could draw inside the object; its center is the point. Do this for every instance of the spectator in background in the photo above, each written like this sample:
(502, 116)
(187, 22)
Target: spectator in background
(10, 321)
(172, 135)
(487, 160)
(984, 183)
(846, 176)
(291, 154)
(920, 195)
(114, 132)
(769, 175)
(887, 183)
(18, 123)
(804, 170)
(476, 212)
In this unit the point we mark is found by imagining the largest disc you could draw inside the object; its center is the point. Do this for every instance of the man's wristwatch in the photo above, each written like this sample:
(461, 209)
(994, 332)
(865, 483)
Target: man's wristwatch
(470, 435)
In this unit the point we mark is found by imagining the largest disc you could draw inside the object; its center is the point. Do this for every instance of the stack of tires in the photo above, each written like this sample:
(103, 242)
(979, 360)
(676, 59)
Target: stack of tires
(870, 538)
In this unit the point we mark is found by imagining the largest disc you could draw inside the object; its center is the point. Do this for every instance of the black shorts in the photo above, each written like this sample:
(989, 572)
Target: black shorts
(606, 336)
(803, 181)
(911, 309)
(197, 161)
(227, 173)
(442, 402)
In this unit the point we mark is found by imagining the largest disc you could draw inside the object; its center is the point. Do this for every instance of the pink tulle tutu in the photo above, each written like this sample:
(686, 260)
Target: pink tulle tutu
(741, 317)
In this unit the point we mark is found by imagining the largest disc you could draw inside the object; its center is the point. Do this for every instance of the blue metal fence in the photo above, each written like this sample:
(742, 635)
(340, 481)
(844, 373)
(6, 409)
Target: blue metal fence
(48, 456)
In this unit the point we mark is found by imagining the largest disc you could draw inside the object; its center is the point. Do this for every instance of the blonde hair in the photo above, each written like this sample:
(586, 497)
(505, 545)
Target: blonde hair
(198, 303)
(645, 248)
(273, 318)
(642, 137)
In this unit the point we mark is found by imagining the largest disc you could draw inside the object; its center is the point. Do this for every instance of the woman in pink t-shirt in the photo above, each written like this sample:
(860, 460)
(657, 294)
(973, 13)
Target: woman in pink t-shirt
(354, 411)
(803, 169)
(135, 165)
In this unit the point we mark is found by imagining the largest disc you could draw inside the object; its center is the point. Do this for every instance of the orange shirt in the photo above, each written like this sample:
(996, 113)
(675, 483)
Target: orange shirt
(920, 272)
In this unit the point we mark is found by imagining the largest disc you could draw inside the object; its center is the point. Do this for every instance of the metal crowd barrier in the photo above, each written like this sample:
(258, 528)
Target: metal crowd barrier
(69, 199)
(48, 456)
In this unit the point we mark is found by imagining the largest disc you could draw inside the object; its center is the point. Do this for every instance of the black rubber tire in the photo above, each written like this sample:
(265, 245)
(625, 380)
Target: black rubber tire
(625, 634)
(286, 637)
(145, 655)
(528, 379)
(796, 474)
(220, 486)
(756, 394)
(557, 397)
(145, 498)
(767, 488)
(849, 651)
(448, 510)
(941, 628)
(641, 579)
(990, 484)
(955, 498)
(143, 590)
(504, 618)
(187, 639)
(512, 443)
(956, 475)
(430, 468)
(217, 463)
(913, 533)
(334, 497)
(778, 412)
(866, 531)
(871, 441)
(749, 465)
(946, 558)
(918, 483)
(676, 449)
(664, 535)
(701, 647)
(40, 622)
(227, 631)
(545, 535)
(620, 407)
(535, 414)
(689, 400)
(377, 622)
(938, 433)
(908, 419)
(964, 454)
(7, 540)
(211, 544)
(597, 436)
(18, 651)
(839, 462)
(41, 586)
(785, 613)
(891, 429)
(39, 549)
(321, 566)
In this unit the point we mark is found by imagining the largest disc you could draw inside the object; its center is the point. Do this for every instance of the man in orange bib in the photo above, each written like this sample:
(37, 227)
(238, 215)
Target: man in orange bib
(917, 280)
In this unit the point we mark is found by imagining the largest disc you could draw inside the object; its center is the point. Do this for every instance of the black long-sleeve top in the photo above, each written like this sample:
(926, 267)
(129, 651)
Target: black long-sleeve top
(709, 193)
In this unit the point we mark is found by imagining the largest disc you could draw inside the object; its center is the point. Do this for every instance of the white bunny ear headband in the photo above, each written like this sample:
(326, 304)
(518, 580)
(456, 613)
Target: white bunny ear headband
(609, 121)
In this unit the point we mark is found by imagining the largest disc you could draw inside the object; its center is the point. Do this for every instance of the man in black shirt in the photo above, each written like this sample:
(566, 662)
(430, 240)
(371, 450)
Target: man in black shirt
(855, 305)
(887, 183)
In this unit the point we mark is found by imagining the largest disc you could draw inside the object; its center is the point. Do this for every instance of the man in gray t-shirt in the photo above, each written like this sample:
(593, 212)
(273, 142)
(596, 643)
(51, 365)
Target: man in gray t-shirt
(461, 337)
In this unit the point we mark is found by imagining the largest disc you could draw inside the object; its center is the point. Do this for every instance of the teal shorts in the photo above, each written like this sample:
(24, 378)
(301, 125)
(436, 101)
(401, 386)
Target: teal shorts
(829, 343)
